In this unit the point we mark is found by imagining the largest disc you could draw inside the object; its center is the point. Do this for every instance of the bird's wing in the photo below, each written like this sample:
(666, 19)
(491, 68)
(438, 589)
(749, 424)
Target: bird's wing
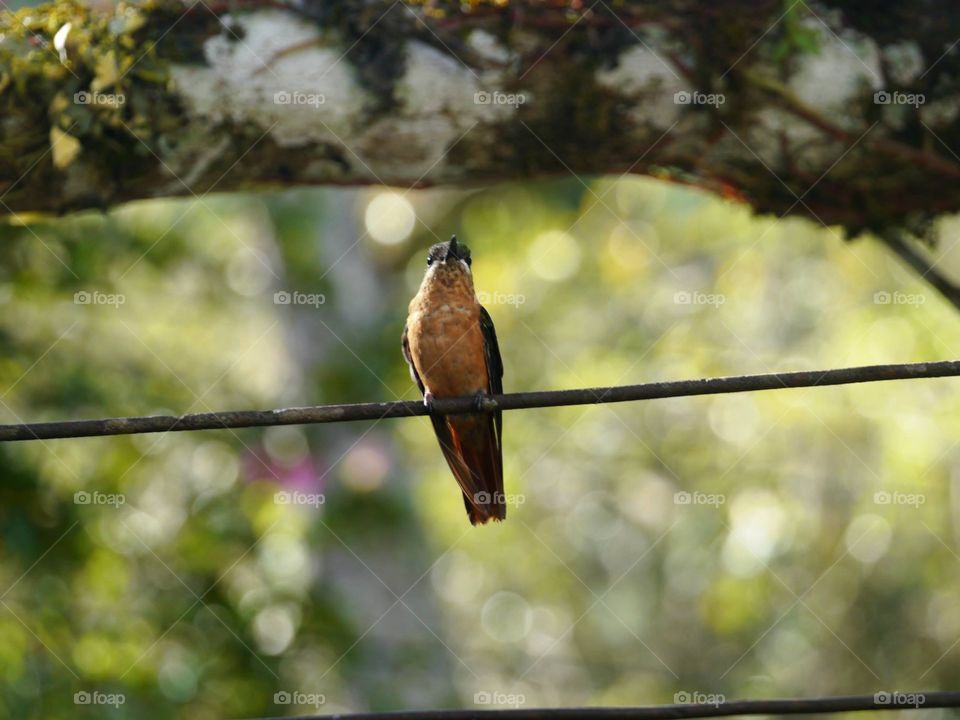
(409, 359)
(492, 350)
(480, 441)
(494, 368)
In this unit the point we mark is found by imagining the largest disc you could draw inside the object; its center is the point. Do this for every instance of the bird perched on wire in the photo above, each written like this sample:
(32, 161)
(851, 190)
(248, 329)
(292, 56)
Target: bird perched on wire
(450, 344)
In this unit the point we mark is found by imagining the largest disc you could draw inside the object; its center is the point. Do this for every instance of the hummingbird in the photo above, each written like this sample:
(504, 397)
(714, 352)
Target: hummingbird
(450, 344)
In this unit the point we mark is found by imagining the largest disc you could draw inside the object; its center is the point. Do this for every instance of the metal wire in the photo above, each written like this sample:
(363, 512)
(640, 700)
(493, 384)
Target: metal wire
(890, 700)
(453, 406)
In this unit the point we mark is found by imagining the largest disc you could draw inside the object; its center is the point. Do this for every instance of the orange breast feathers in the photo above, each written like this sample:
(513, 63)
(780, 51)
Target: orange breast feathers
(446, 342)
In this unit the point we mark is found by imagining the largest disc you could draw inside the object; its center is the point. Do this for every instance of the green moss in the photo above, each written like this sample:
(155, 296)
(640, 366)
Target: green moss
(106, 84)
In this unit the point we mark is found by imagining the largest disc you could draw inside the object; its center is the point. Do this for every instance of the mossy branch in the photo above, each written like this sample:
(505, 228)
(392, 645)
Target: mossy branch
(162, 99)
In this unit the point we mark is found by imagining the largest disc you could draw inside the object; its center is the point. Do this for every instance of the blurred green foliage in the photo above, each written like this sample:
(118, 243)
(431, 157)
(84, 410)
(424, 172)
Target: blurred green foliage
(798, 542)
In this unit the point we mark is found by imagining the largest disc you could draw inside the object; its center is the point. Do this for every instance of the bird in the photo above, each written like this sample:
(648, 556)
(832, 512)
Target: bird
(450, 345)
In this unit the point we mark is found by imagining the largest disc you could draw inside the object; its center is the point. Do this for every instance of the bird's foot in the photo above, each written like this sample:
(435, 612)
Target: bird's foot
(482, 402)
(428, 400)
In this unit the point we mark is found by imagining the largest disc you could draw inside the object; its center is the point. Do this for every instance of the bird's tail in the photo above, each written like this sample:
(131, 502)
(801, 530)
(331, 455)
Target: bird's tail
(471, 445)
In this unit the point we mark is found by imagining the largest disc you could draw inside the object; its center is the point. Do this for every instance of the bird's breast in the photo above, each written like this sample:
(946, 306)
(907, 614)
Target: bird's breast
(446, 344)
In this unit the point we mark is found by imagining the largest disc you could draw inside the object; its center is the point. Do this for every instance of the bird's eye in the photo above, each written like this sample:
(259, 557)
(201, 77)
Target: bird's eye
(468, 261)
(429, 260)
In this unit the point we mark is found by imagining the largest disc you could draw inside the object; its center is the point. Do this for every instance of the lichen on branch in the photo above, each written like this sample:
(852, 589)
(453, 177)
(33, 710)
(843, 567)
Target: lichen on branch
(821, 109)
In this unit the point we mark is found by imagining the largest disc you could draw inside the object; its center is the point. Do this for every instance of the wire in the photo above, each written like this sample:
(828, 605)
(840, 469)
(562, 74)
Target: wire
(454, 406)
(793, 706)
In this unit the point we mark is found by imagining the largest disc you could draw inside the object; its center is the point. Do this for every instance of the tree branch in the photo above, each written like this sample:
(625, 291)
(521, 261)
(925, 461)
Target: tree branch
(927, 271)
(171, 100)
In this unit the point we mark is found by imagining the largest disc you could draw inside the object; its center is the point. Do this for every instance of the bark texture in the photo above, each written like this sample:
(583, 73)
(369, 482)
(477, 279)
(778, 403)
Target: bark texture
(845, 111)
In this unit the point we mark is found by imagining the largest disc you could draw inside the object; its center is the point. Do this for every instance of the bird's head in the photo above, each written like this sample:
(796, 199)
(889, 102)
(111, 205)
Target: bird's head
(448, 262)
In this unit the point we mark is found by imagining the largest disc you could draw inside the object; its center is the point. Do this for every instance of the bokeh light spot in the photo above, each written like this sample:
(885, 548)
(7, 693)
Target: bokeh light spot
(506, 617)
(868, 537)
(554, 255)
(390, 218)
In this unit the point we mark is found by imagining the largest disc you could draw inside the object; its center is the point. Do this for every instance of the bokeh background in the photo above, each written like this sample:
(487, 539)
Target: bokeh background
(796, 542)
